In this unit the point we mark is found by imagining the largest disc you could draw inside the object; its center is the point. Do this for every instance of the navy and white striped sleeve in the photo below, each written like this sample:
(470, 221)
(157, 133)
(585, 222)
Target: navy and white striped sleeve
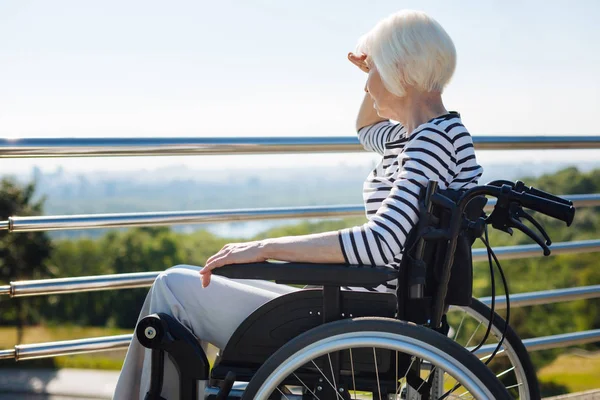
(429, 155)
(374, 137)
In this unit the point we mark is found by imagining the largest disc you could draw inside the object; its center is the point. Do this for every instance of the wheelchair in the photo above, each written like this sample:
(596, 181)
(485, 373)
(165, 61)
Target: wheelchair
(330, 343)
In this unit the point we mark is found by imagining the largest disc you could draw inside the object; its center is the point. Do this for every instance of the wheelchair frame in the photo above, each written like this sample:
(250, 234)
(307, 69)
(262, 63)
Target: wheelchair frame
(162, 333)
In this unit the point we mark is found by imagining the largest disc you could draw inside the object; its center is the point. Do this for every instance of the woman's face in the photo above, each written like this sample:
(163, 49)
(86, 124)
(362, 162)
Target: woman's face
(383, 100)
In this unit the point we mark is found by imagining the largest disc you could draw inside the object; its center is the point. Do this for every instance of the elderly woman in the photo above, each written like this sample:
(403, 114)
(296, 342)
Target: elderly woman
(409, 59)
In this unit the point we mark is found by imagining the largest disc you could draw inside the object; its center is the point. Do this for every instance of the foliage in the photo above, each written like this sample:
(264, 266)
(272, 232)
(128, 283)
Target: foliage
(22, 256)
(155, 249)
(555, 272)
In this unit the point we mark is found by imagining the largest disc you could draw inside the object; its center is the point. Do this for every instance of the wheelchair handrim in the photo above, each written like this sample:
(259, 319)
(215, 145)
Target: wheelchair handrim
(383, 340)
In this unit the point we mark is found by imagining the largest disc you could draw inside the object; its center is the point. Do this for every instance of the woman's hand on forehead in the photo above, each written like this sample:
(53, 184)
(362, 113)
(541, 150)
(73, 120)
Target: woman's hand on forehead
(359, 60)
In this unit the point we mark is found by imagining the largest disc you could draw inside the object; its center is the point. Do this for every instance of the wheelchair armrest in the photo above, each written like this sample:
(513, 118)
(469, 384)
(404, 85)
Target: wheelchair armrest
(310, 274)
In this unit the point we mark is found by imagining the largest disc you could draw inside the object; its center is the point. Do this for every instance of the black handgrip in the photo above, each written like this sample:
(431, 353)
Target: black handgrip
(519, 186)
(563, 212)
(547, 196)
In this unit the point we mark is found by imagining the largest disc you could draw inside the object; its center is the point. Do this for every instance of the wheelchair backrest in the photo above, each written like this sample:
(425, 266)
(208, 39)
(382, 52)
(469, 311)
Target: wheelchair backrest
(460, 286)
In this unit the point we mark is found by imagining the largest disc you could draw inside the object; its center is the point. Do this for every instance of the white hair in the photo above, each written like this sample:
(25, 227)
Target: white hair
(410, 48)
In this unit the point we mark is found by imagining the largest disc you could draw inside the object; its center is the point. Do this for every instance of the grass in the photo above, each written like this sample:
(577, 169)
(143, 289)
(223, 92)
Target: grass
(576, 372)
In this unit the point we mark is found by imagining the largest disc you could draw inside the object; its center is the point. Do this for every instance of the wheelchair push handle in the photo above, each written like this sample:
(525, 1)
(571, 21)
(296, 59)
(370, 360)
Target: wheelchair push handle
(548, 196)
(561, 211)
(520, 187)
(512, 198)
(537, 200)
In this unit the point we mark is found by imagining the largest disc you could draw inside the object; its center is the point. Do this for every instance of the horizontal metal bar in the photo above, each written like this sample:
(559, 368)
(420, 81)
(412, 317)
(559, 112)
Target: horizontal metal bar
(551, 342)
(97, 221)
(533, 250)
(144, 279)
(525, 142)
(82, 284)
(584, 200)
(562, 340)
(579, 200)
(121, 342)
(178, 146)
(7, 354)
(545, 297)
(67, 347)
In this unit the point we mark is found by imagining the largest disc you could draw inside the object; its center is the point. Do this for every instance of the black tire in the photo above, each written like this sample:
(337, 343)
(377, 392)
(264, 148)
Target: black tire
(419, 337)
(517, 351)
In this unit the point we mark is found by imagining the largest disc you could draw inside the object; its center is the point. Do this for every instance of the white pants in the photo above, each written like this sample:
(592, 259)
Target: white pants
(212, 313)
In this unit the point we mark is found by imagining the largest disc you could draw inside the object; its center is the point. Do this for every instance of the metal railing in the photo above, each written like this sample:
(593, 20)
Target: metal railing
(97, 221)
(196, 146)
(183, 146)
(145, 279)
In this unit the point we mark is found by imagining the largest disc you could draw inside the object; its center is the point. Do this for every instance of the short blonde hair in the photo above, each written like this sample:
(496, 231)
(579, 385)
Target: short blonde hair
(410, 48)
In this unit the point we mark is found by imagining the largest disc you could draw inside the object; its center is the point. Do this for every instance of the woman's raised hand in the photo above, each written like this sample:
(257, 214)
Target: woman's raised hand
(359, 60)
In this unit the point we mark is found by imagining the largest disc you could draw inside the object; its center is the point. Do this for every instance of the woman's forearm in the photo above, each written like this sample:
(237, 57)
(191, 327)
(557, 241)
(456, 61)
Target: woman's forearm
(367, 115)
(314, 248)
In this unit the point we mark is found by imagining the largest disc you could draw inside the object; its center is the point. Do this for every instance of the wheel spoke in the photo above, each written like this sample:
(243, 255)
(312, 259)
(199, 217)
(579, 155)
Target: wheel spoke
(352, 368)
(413, 358)
(514, 386)
(377, 374)
(307, 388)
(489, 355)
(279, 390)
(332, 374)
(473, 335)
(464, 394)
(427, 377)
(505, 372)
(328, 381)
(460, 325)
(399, 389)
(396, 373)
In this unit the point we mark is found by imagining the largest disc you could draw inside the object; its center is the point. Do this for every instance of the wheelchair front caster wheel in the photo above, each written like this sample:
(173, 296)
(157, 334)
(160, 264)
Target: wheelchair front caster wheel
(164, 334)
(150, 331)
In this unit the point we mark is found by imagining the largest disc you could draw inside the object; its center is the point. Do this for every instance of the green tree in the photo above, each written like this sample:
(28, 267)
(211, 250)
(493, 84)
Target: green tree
(139, 250)
(23, 255)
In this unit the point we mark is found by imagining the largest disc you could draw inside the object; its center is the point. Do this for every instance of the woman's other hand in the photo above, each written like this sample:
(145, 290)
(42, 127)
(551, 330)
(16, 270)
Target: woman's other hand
(233, 253)
(367, 114)
(359, 60)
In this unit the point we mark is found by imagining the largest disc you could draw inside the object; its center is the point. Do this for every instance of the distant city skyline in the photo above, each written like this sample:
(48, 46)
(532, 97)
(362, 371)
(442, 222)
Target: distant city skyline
(272, 68)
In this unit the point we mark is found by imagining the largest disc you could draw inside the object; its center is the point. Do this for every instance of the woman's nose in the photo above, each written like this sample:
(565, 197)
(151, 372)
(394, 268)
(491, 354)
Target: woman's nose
(366, 88)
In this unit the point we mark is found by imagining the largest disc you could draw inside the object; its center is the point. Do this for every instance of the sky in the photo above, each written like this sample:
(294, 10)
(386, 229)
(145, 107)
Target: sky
(71, 68)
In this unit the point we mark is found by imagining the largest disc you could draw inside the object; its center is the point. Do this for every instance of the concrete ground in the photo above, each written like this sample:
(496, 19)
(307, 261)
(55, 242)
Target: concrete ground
(69, 384)
(38, 384)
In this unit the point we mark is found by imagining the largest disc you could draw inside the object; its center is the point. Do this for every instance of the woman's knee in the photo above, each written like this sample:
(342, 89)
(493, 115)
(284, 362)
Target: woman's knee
(177, 275)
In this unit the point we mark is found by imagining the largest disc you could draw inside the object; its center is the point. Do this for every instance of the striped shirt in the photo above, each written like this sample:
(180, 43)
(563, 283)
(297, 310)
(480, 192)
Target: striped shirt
(440, 149)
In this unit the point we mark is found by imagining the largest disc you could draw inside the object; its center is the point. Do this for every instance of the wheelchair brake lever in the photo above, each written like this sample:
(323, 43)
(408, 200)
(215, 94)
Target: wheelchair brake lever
(498, 219)
(515, 222)
(520, 213)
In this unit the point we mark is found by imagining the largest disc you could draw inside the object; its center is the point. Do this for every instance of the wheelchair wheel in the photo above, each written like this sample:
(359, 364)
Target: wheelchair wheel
(372, 358)
(512, 364)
